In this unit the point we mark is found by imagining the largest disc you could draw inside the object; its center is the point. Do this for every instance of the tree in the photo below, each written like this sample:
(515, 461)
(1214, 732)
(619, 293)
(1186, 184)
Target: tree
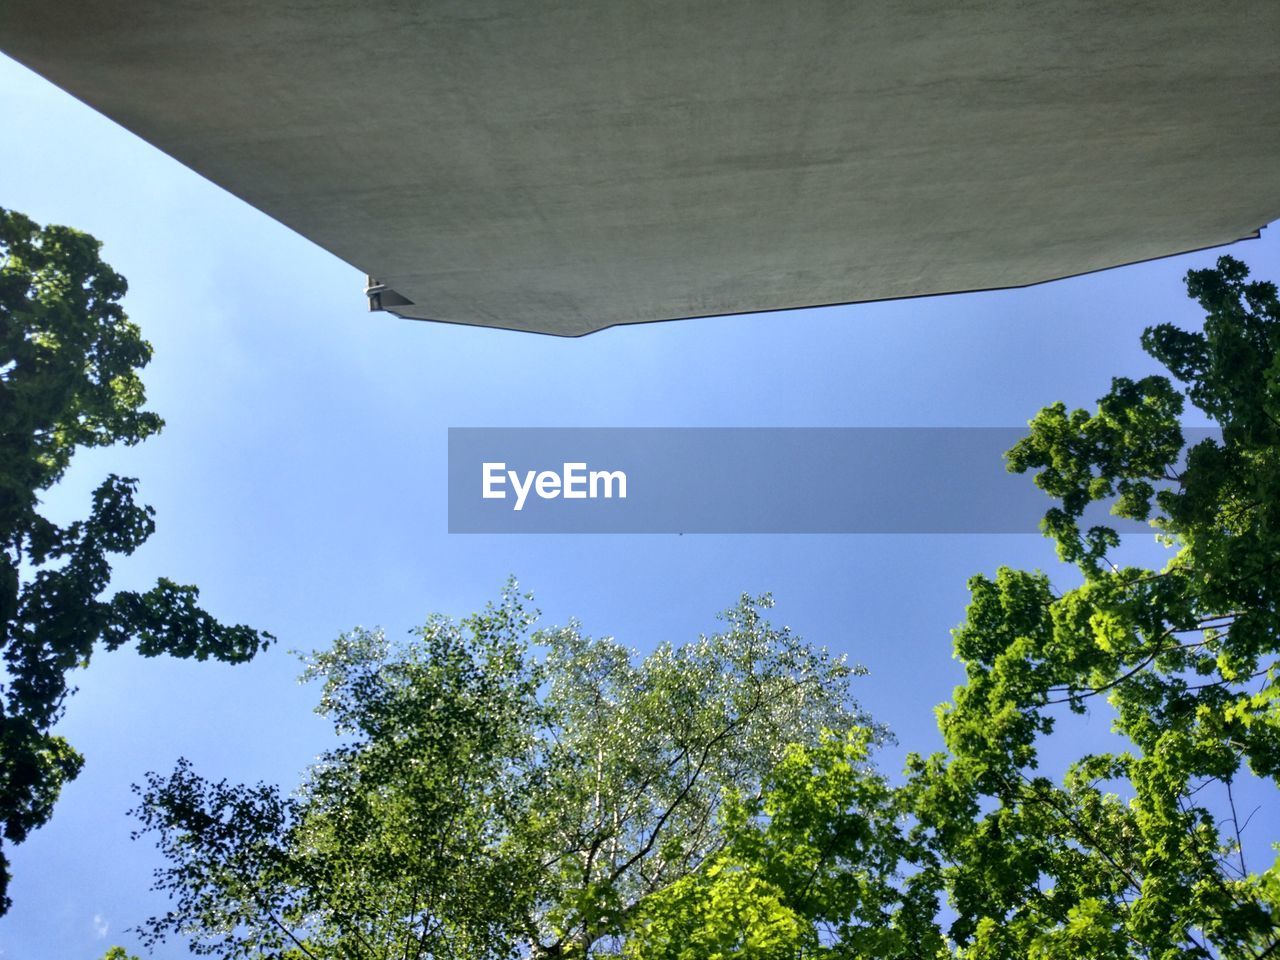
(812, 866)
(1137, 852)
(499, 790)
(69, 362)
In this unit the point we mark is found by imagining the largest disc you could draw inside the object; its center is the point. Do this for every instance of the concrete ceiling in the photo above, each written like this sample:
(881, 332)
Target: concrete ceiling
(567, 165)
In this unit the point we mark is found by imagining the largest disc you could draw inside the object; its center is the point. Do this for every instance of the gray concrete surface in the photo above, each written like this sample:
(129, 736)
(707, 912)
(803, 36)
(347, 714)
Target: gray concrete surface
(568, 165)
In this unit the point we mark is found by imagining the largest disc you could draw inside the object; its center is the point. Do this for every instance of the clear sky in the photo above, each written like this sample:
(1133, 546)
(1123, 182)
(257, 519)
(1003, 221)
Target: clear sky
(300, 480)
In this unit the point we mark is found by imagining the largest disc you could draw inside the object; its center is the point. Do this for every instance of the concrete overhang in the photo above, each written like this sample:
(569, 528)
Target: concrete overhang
(569, 165)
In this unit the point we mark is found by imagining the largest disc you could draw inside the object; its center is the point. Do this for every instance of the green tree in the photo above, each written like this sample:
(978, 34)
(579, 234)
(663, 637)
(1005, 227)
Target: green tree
(498, 790)
(1137, 852)
(812, 866)
(69, 361)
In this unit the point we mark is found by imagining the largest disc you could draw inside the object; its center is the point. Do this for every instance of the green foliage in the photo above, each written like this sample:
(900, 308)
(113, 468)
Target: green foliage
(811, 867)
(1133, 853)
(69, 361)
(1137, 852)
(498, 790)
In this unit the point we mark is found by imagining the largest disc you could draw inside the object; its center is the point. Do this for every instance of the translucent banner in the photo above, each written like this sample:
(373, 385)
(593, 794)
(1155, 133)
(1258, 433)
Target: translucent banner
(748, 480)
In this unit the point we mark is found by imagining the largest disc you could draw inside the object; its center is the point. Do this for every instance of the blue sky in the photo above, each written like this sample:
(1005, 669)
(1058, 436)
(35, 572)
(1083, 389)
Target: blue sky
(300, 480)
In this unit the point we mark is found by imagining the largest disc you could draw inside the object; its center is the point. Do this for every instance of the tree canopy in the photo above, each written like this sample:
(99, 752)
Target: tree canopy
(499, 789)
(1136, 852)
(69, 362)
(813, 864)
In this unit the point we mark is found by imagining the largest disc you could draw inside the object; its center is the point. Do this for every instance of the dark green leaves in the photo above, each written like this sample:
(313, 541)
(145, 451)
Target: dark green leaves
(69, 362)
